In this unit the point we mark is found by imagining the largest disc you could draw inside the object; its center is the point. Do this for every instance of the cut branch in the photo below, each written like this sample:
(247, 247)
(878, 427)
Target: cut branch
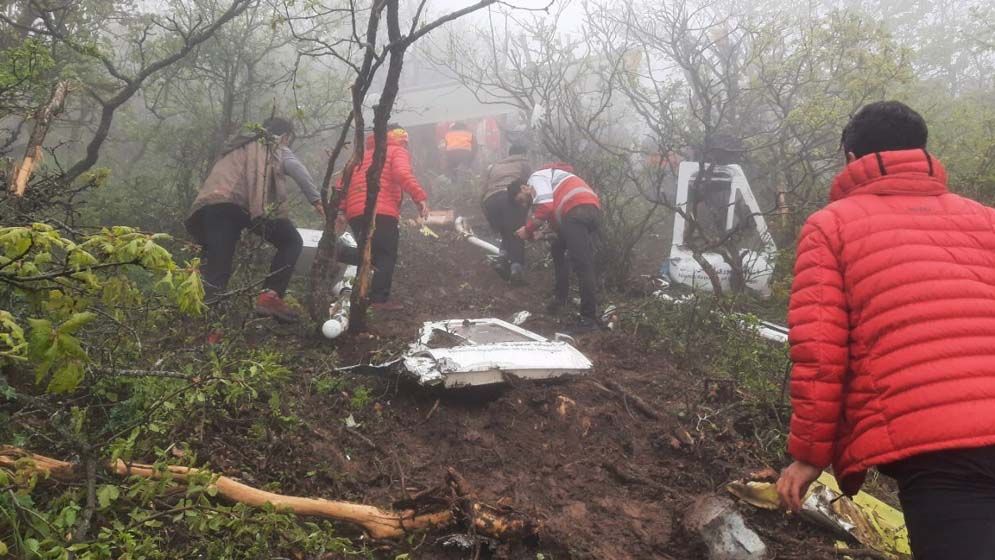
(378, 523)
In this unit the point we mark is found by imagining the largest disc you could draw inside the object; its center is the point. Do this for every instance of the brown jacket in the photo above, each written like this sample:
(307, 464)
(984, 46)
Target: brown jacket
(251, 177)
(501, 174)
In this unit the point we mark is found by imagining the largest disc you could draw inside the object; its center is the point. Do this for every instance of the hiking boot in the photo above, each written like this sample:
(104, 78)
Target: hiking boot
(517, 274)
(386, 306)
(502, 267)
(270, 304)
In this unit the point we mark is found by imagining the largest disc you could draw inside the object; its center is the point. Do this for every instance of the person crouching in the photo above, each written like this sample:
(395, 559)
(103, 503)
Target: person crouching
(246, 189)
(573, 210)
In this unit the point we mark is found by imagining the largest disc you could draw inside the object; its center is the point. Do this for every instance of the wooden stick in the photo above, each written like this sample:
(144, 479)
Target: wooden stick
(32, 155)
(378, 523)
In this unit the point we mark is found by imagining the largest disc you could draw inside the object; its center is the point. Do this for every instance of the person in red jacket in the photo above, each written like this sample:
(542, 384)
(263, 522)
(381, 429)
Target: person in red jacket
(892, 320)
(397, 179)
(573, 210)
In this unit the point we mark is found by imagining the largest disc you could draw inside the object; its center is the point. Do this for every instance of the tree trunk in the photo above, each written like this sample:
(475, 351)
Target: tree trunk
(381, 116)
(33, 154)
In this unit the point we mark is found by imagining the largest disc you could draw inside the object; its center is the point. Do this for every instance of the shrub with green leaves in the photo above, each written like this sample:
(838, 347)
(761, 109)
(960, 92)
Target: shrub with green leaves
(69, 292)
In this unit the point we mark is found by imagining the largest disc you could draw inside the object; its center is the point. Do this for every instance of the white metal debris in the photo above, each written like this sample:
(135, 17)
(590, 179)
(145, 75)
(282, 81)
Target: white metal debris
(338, 312)
(758, 265)
(518, 319)
(473, 352)
(466, 232)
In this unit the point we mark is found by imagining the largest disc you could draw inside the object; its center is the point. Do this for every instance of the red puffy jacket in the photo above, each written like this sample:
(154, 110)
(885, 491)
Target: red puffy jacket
(396, 180)
(892, 320)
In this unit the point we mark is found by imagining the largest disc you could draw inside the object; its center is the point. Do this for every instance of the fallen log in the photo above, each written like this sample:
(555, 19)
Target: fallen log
(378, 523)
(43, 120)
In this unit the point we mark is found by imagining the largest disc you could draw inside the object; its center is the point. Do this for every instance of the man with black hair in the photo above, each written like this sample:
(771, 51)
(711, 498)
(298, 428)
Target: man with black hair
(892, 321)
(246, 189)
(504, 216)
(573, 210)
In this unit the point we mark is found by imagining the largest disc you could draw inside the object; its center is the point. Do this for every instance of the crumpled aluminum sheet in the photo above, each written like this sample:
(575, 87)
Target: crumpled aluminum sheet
(507, 351)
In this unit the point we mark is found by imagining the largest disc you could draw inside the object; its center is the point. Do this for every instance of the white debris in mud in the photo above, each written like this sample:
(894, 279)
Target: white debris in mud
(473, 352)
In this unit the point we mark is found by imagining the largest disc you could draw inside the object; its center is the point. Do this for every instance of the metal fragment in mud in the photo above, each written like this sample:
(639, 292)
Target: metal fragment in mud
(474, 352)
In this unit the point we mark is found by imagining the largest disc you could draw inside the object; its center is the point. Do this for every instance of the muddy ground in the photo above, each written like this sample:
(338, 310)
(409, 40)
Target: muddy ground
(606, 480)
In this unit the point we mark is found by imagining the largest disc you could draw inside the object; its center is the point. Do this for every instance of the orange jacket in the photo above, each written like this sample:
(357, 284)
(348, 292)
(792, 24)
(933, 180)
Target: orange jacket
(459, 140)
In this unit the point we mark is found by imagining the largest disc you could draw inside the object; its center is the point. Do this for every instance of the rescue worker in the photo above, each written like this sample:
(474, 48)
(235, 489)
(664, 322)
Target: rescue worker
(892, 321)
(397, 179)
(460, 147)
(573, 211)
(504, 216)
(246, 189)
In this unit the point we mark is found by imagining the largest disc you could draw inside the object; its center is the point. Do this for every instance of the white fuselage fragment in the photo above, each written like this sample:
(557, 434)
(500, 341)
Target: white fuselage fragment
(474, 352)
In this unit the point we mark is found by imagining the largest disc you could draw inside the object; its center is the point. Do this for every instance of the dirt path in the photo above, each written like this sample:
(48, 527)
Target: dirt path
(608, 481)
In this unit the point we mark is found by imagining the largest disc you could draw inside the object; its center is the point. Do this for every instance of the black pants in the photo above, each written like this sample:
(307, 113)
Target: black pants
(948, 499)
(384, 252)
(220, 228)
(576, 240)
(505, 217)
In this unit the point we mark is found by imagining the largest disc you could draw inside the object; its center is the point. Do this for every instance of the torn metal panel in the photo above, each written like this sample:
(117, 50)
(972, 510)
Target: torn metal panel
(310, 238)
(863, 517)
(472, 352)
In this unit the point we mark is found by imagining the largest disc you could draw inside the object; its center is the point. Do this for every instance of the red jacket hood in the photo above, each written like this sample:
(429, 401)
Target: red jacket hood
(901, 172)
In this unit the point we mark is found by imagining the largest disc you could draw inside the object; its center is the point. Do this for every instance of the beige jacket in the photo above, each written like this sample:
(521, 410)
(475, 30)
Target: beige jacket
(251, 177)
(501, 174)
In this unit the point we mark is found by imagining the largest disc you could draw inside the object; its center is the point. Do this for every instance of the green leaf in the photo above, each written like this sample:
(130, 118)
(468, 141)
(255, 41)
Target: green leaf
(76, 322)
(106, 495)
(66, 378)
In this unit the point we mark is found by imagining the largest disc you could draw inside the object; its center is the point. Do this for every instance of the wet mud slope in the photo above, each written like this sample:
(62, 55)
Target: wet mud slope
(609, 478)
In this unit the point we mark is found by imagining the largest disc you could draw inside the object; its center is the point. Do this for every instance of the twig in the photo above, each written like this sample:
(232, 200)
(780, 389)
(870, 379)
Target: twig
(431, 412)
(365, 439)
(91, 500)
(146, 373)
(639, 403)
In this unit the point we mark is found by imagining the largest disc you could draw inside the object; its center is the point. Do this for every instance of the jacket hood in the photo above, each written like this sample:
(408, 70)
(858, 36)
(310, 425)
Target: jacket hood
(900, 172)
(371, 142)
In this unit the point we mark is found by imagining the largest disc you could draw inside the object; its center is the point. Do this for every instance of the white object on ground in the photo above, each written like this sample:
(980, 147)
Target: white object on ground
(466, 232)
(518, 319)
(724, 530)
(338, 312)
(473, 352)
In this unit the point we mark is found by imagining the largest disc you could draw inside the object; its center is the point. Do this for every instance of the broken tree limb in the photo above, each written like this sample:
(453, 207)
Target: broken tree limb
(489, 520)
(32, 154)
(378, 523)
(640, 404)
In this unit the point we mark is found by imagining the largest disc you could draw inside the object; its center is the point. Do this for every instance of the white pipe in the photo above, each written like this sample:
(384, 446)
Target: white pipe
(339, 310)
(483, 245)
(466, 232)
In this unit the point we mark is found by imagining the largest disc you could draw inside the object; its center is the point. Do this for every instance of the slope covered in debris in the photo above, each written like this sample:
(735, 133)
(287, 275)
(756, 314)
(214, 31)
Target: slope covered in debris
(609, 463)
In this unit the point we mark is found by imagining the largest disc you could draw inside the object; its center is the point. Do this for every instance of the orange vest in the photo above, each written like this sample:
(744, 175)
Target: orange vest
(459, 140)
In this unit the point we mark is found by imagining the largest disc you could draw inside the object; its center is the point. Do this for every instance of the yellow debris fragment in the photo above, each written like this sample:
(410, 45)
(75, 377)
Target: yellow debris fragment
(871, 522)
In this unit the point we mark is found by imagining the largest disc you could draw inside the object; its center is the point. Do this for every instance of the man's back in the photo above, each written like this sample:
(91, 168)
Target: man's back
(898, 276)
